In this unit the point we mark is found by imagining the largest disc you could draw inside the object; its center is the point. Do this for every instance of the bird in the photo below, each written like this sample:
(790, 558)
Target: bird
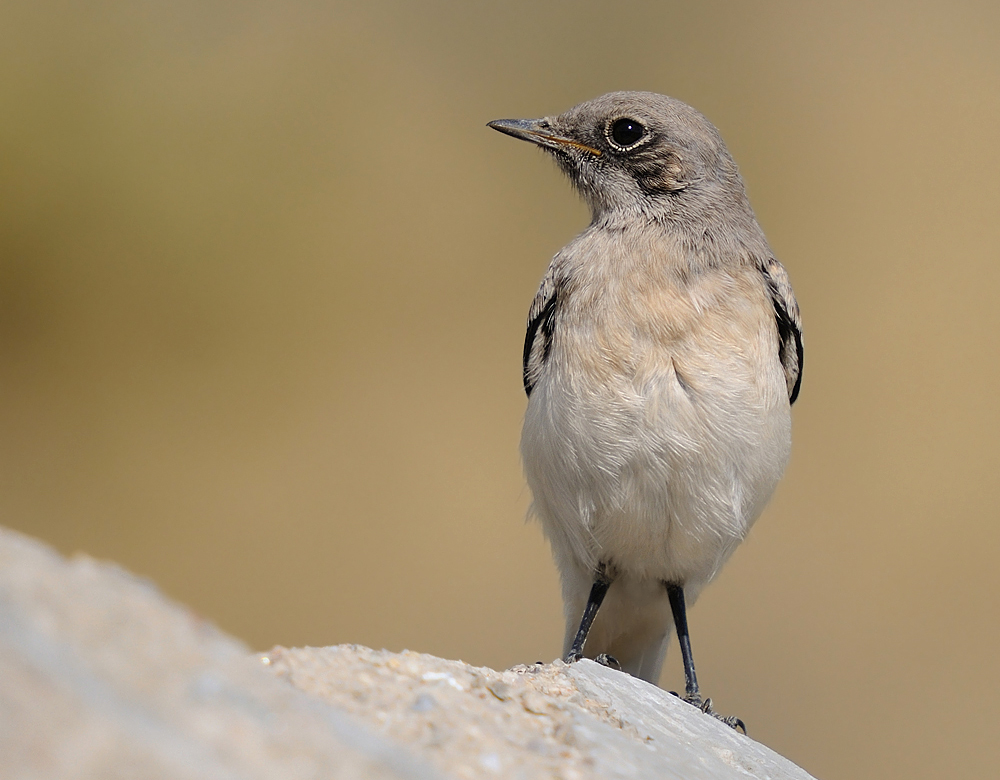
(662, 356)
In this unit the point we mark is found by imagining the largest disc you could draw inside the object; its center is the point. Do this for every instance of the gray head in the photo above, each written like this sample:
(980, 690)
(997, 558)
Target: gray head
(640, 154)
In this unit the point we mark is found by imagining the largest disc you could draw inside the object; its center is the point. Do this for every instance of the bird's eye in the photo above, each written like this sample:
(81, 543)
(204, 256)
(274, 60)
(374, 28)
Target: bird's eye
(626, 132)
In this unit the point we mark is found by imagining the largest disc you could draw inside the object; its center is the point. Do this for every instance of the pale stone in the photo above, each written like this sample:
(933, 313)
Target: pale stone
(102, 677)
(539, 721)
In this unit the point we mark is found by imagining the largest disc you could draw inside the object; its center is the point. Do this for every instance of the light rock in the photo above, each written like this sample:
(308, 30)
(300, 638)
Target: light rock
(537, 721)
(102, 677)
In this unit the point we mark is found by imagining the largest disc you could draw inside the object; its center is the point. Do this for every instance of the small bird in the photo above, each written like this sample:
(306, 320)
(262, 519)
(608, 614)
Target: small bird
(662, 356)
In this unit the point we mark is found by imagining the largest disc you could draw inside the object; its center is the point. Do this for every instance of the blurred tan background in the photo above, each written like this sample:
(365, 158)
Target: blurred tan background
(263, 280)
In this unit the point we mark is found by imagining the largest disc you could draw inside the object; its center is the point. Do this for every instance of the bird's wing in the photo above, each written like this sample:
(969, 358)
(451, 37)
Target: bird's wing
(789, 322)
(541, 323)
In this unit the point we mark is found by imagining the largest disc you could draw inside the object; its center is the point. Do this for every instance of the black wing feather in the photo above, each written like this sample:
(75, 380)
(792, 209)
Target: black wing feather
(538, 338)
(789, 323)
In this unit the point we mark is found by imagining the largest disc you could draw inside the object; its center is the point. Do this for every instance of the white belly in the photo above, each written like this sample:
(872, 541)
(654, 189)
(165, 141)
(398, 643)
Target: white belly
(660, 469)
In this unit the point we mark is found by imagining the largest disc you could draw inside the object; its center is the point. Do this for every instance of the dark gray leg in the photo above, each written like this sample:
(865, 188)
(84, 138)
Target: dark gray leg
(692, 695)
(676, 594)
(602, 581)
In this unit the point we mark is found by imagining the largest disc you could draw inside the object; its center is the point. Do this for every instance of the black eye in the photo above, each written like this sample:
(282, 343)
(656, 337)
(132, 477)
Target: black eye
(625, 132)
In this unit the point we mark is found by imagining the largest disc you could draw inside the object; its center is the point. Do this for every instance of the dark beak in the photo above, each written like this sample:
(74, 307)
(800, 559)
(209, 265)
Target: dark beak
(539, 131)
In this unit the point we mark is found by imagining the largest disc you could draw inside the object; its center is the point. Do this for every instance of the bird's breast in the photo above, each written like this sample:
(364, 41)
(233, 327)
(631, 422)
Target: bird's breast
(649, 334)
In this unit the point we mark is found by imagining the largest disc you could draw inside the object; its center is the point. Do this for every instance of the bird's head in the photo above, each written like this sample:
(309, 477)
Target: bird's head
(638, 153)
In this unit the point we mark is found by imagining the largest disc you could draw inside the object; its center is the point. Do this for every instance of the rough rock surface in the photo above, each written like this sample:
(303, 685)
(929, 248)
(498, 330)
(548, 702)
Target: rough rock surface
(102, 677)
(543, 720)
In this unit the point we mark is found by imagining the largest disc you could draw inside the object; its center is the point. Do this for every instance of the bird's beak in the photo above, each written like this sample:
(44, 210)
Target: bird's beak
(539, 131)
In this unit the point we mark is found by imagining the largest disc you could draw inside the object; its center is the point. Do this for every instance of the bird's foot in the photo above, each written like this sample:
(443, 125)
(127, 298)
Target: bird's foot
(705, 705)
(609, 661)
(603, 659)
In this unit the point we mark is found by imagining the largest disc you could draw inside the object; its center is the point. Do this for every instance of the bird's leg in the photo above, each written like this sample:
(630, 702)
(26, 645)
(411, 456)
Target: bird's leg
(602, 581)
(676, 594)
(692, 695)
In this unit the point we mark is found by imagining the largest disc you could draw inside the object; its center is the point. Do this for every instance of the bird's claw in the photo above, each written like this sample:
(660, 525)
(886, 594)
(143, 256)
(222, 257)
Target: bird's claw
(609, 661)
(705, 705)
(603, 659)
(734, 723)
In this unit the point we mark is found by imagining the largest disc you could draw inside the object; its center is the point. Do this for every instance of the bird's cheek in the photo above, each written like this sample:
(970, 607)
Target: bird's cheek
(665, 175)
